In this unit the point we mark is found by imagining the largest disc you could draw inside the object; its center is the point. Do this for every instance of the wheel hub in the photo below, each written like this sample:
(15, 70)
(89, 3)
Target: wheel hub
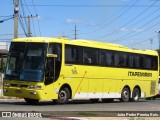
(62, 95)
(125, 94)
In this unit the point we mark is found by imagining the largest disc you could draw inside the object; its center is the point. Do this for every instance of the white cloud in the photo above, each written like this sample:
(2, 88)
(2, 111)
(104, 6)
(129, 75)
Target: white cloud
(131, 30)
(69, 20)
(123, 30)
(137, 30)
(93, 24)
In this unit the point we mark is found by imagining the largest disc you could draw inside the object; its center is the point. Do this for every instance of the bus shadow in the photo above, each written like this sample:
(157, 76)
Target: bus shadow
(73, 102)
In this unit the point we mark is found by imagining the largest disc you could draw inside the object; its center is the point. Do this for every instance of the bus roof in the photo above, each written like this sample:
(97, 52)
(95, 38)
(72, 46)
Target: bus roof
(87, 43)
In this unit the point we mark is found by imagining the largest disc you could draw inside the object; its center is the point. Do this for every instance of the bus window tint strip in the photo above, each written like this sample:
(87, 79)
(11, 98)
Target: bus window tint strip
(109, 58)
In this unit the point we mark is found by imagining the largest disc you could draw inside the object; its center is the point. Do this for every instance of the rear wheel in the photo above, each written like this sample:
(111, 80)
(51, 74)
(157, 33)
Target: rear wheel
(63, 95)
(31, 101)
(135, 95)
(125, 95)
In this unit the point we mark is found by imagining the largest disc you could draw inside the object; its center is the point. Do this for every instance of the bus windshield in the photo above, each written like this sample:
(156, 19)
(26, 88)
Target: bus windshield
(26, 61)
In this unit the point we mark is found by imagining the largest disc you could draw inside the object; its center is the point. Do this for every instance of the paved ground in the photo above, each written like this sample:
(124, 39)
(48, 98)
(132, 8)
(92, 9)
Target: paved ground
(85, 109)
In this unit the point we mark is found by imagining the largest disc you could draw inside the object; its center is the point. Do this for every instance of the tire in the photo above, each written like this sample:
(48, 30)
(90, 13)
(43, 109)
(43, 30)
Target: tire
(125, 95)
(108, 100)
(31, 101)
(63, 96)
(135, 95)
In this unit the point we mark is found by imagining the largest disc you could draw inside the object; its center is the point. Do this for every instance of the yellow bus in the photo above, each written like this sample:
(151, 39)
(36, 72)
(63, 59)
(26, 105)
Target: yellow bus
(59, 69)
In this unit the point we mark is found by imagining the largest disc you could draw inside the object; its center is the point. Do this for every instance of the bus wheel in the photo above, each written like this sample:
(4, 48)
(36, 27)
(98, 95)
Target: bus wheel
(135, 95)
(125, 95)
(63, 96)
(31, 101)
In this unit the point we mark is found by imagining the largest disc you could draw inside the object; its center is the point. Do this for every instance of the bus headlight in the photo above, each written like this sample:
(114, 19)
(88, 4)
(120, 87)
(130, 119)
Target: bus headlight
(35, 87)
(6, 84)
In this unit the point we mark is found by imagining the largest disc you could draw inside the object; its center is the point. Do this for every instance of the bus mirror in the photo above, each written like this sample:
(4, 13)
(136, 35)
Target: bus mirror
(52, 55)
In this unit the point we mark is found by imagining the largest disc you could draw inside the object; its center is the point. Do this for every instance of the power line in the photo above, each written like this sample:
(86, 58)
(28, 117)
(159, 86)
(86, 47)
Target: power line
(25, 4)
(1, 21)
(9, 34)
(22, 25)
(141, 32)
(115, 13)
(115, 18)
(37, 17)
(31, 16)
(141, 41)
(115, 31)
(58, 5)
(23, 12)
(27, 7)
(138, 28)
(144, 18)
(6, 16)
(29, 30)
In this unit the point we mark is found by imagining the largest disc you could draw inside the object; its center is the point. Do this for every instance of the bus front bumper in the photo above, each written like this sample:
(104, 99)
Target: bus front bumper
(23, 93)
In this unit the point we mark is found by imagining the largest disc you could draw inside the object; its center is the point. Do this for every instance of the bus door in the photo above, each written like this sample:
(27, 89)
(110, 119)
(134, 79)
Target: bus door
(53, 63)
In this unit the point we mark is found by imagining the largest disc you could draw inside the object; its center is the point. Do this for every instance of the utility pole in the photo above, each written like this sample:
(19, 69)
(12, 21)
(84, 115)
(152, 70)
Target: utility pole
(75, 32)
(16, 9)
(29, 26)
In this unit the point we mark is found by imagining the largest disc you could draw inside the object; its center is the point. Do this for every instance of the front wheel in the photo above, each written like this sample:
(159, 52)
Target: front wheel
(125, 95)
(31, 101)
(63, 96)
(135, 95)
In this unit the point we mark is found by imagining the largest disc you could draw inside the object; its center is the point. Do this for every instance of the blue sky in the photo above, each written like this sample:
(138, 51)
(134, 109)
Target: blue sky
(132, 23)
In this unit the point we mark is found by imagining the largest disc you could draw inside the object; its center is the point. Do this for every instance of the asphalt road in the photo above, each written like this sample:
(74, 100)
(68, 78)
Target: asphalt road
(82, 107)
(20, 105)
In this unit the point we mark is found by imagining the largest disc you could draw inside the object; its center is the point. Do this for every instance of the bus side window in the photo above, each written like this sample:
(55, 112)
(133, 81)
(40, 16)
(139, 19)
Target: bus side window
(116, 59)
(90, 56)
(154, 64)
(73, 54)
(55, 48)
(123, 60)
(110, 58)
(77, 55)
(136, 62)
(102, 58)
